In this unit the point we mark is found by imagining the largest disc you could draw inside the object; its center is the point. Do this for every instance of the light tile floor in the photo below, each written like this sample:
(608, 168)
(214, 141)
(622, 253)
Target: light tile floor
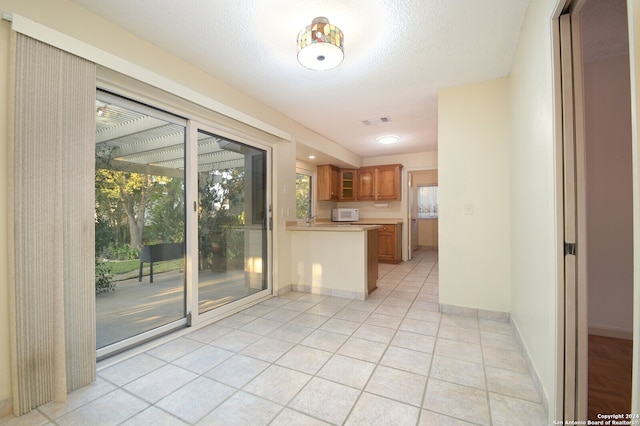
(303, 359)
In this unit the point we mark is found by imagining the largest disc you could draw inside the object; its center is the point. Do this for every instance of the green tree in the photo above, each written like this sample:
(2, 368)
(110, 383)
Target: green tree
(303, 196)
(166, 212)
(221, 195)
(123, 197)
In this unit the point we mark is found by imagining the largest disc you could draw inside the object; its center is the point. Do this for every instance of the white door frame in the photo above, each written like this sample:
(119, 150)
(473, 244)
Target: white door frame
(572, 306)
(633, 10)
(406, 209)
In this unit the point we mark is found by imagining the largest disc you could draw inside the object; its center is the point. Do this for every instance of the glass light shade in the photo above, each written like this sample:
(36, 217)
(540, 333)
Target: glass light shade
(320, 45)
(388, 139)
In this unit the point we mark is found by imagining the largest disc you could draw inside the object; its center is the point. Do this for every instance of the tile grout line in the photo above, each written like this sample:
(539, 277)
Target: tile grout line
(377, 364)
(272, 363)
(433, 352)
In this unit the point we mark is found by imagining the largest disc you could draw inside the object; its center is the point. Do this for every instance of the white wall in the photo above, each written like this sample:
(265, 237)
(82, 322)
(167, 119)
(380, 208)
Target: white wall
(284, 197)
(473, 179)
(609, 196)
(422, 160)
(534, 195)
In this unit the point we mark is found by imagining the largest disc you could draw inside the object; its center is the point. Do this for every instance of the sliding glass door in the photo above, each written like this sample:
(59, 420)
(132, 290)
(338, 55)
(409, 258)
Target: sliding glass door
(232, 229)
(140, 219)
(181, 222)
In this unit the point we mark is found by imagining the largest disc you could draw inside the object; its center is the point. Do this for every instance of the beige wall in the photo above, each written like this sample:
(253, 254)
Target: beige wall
(535, 197)
(473, 180)
(428, 232)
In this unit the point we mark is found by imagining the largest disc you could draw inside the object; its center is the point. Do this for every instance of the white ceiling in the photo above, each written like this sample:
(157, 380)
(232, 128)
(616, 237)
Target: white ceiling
(398, 54)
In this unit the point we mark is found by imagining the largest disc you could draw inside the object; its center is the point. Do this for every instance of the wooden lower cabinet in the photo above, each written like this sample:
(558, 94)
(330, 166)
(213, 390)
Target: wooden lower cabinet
(390, 243)
(372, 260)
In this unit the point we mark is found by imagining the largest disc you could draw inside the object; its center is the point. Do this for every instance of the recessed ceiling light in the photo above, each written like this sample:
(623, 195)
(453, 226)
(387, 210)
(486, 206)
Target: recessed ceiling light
(388, 139)
(312, 157)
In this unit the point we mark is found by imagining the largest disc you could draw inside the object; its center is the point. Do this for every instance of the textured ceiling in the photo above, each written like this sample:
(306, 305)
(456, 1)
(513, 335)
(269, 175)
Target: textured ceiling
(398, 54)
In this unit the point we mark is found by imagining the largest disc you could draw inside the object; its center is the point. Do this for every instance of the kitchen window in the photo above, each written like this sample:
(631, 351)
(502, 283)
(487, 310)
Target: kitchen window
(304, 207)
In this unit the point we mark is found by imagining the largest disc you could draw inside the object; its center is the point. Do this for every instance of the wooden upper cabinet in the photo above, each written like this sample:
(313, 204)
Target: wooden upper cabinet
(364, 184)
(328, 182)
(348, 185)
(379, 183)
(388, 181)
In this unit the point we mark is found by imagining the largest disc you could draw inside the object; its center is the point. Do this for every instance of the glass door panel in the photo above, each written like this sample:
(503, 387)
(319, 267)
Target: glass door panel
(140, 221)
(232, 228)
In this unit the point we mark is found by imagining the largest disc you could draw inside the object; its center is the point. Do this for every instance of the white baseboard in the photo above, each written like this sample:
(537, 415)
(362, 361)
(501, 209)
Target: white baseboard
(506, 317)
(532, 370)
(5, 407)
(474, 312)
(282, 290)
(329, 292)
(611, 332)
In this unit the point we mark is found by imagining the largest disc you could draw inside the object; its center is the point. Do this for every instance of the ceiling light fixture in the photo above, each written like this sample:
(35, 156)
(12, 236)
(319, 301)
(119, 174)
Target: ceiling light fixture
(320, 45)
(388, 139)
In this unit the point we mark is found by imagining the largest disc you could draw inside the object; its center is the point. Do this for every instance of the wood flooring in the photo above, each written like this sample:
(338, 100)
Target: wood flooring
(610, 362)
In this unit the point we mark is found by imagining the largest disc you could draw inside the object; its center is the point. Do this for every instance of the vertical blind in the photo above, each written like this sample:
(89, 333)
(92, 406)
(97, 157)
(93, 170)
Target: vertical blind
(52, 300)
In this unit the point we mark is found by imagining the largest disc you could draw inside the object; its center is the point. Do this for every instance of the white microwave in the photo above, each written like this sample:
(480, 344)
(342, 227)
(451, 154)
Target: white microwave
(345, 215)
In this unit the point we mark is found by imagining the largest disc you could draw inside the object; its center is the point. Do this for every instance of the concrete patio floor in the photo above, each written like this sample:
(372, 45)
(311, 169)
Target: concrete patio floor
(135, 307)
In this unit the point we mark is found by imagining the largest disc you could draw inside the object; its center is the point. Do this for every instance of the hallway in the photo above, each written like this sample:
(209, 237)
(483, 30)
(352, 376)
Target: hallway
(303, 359)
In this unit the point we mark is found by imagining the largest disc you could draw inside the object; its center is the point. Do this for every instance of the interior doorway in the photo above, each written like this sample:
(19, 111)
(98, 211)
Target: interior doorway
(609, 208)
(422, 208)
(598, 209)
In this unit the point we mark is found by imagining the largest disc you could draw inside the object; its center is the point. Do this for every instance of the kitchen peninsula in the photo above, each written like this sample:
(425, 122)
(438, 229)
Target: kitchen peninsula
(334, 259)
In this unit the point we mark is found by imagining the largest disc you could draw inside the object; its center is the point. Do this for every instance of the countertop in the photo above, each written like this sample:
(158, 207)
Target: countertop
(379, 221)
(328, 225)
(331, 226)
